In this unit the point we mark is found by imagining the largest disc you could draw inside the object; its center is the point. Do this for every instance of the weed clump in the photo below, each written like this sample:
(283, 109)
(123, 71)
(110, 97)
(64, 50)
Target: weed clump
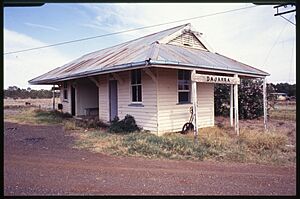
(126, 125)
(90, 123)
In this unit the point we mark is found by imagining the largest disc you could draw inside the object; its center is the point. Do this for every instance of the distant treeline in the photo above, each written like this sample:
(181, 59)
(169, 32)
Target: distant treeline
(289, 89)
(15, 92)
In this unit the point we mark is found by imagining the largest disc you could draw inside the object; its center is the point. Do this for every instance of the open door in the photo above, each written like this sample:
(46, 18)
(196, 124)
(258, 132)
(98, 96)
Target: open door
(73, 111)
(113, 99)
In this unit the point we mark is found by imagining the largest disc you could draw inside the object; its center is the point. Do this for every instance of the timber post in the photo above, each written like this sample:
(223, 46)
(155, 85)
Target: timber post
(231, 105)
(265, 102)
(236, 108)
(194, 98)
(53, 93)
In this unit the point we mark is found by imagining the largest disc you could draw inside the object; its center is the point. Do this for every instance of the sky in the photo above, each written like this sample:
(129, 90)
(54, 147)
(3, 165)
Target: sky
(253, 36)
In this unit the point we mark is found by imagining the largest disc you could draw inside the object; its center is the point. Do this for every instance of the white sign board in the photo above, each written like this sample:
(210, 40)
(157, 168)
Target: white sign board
(215, 79)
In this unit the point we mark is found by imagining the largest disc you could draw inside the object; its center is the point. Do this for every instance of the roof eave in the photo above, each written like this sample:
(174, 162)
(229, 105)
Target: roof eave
(169, 63)
(117, 68)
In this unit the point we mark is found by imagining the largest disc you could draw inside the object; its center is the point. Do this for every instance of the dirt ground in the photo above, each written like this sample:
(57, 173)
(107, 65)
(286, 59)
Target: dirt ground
(40, 160)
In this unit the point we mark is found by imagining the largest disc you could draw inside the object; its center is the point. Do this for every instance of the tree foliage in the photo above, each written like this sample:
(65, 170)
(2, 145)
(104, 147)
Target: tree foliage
(289, 89)
(250, 93)
(15, 92)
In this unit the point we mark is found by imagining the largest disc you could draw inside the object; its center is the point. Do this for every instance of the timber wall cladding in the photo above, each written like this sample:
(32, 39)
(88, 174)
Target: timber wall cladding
(205, 97)
(171, 115)
(103, 98)
(145, 115)
(66, 103)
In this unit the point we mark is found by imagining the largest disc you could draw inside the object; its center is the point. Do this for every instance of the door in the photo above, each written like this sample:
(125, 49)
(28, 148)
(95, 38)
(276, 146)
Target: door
(113, 99)
(73, 101)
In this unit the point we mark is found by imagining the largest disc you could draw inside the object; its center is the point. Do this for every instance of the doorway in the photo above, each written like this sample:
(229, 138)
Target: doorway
(73, 111)
(113, 99)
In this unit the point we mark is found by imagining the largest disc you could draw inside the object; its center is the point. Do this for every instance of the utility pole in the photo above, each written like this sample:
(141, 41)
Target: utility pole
(285, 6)
(281, 10)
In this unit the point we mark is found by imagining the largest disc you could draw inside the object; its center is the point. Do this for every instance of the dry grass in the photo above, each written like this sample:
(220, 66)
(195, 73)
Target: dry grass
(214, 144)
(43, 103)
(284, 111)
(283, 114)
(276, 146)
(34, 116)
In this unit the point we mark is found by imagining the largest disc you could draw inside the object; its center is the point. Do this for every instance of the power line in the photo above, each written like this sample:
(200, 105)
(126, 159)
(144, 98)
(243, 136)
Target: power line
(124, 31)
(275, 43)
(291, 61)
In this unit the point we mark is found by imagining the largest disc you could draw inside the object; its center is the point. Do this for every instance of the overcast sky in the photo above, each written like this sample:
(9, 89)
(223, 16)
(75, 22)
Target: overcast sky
(253, 36)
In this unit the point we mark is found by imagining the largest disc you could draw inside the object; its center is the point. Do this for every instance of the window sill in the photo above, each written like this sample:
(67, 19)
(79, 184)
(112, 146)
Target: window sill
(136, 105)
(182, 103)
(66, 101)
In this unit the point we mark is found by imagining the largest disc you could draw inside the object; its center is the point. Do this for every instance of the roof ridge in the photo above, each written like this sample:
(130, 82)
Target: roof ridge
(183, 25)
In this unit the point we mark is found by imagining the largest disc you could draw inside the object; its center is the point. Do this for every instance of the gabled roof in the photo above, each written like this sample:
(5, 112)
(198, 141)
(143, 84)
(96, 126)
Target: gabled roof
(155, 49)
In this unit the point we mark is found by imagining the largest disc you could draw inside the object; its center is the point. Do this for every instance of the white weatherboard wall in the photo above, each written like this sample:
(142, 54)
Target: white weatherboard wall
(86, 95)
(103, 98)
(145, 115)
(160, 111)
(206, 111)
(171, 115)
(66, 103)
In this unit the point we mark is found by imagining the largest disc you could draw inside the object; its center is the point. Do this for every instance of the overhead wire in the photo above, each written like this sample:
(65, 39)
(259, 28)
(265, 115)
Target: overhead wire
(124, 31)
(269, 52)
(291, 61)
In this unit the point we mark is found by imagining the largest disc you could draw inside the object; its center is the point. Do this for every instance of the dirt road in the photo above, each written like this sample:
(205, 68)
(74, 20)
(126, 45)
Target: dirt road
(39, 160)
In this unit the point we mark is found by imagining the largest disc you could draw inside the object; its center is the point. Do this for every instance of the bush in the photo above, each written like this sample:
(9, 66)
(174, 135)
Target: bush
(250, 99)
(127, 125)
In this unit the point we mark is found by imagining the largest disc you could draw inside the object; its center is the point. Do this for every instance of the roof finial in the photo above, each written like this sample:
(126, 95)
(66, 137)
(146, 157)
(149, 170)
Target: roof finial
(187, 28)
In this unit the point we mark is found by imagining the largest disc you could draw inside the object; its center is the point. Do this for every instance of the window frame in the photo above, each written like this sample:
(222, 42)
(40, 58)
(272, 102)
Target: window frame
(136, 85)
(184, 84)
(65, 92)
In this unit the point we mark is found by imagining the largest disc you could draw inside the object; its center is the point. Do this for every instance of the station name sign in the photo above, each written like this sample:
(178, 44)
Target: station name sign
(215, 79)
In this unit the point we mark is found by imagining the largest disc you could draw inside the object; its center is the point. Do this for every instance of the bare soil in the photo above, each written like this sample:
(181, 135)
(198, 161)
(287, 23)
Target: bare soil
(40, 160)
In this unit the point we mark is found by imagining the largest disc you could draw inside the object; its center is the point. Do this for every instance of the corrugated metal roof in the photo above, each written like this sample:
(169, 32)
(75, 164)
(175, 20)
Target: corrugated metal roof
(137, 52)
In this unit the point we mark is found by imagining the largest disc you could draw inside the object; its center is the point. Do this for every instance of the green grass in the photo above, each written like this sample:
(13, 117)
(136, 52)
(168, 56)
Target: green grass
(36, 116)
(214, 143)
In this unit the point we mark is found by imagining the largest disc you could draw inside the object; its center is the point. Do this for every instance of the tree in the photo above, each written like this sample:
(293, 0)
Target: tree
(15, 92)
(250, 98)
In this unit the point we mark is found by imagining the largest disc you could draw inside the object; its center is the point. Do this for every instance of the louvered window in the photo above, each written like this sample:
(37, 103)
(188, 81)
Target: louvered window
(187, 40)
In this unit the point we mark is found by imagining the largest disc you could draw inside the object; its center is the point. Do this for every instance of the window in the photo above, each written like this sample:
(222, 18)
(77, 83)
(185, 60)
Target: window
(184, 82)
(136, 86)
(65, 91)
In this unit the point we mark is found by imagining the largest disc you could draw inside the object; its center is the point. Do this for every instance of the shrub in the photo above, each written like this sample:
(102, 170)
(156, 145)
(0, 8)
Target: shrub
(250, 99)
(126, 125)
